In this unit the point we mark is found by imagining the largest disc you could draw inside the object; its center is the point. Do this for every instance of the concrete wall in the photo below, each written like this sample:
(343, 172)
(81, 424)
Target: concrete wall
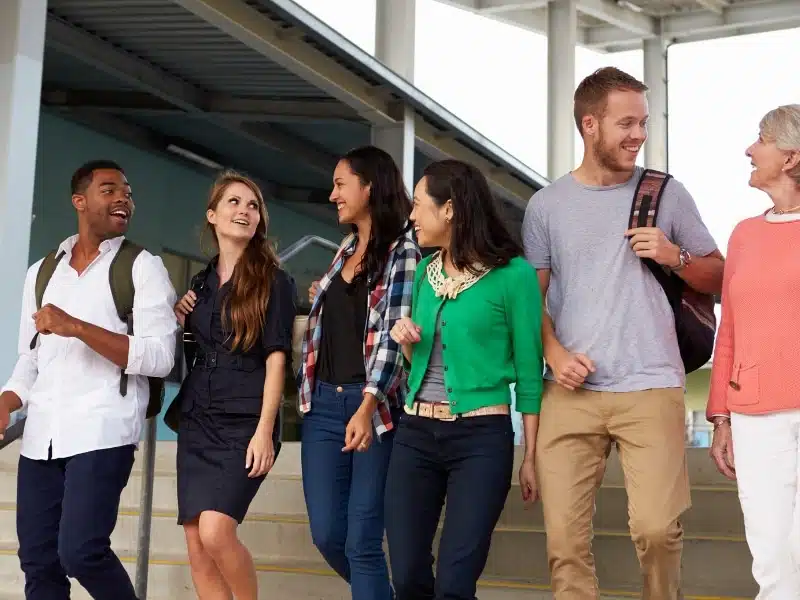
(170, 198)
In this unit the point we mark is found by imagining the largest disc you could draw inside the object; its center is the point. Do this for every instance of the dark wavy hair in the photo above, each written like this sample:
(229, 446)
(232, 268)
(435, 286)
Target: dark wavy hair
(479, 235)
(245, 307)
(389, 206)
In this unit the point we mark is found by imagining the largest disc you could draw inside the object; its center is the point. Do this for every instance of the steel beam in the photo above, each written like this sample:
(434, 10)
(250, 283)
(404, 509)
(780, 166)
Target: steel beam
(439, 147)
(714, 6)
(531, 16)
(270, 39)
(101, 55)
(496, 7)
(134, 71)
(377, 102)
(618, 16)
(243, 109)
(700, 25)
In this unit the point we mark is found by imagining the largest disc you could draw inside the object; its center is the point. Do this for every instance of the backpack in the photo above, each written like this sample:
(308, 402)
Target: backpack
(120, 276)
(695, 321)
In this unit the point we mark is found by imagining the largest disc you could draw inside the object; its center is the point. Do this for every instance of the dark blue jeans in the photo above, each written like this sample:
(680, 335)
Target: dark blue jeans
(469, 461)
(344, 492)
(66, 511)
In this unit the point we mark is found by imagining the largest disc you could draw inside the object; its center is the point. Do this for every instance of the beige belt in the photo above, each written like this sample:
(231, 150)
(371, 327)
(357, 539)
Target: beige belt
(441, 411)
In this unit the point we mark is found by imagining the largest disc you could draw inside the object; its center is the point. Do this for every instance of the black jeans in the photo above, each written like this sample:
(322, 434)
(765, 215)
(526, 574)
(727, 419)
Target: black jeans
(66, 511)
(470, 461)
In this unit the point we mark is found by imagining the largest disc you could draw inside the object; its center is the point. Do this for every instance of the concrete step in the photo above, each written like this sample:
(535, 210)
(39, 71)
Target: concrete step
(170, 579)
(715, 509)
(715, 504)
(716, 565)
(279, 494)
(701, 469)
(276, 530)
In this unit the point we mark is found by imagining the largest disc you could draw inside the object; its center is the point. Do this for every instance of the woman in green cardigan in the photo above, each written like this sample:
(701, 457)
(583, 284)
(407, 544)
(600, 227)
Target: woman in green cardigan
(475, 329)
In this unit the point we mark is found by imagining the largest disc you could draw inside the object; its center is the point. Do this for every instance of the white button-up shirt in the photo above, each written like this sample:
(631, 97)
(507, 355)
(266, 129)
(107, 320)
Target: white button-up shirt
(71, 393)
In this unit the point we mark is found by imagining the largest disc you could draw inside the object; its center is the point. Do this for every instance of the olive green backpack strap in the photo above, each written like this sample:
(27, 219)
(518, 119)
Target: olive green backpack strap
(120, 277)
(43, 276)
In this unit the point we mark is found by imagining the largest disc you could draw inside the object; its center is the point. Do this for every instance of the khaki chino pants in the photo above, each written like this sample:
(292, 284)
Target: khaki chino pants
(576, 432)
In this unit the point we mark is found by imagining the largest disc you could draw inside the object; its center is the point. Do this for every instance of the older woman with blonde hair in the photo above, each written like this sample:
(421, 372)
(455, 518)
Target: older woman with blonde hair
(754, 401)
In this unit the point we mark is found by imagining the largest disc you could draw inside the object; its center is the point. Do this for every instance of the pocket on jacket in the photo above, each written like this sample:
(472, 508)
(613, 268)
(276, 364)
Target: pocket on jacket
(744, 387)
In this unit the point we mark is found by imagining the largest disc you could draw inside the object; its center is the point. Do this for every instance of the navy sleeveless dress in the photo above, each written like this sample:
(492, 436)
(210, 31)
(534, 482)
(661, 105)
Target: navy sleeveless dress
(221, 399)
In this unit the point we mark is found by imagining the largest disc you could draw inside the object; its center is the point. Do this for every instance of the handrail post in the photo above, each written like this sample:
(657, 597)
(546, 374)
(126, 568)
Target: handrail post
(145, 509)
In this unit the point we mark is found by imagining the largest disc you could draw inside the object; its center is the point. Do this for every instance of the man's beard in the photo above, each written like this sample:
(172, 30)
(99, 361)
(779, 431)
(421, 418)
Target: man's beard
(607, 156)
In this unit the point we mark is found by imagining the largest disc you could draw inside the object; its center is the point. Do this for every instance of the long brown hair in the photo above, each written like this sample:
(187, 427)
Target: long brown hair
(245, 307)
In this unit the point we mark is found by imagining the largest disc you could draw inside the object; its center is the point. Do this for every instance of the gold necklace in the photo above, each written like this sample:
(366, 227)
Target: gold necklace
(777, 211)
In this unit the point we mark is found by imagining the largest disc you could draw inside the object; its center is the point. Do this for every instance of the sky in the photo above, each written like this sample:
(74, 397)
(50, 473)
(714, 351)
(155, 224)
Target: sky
(718, 92)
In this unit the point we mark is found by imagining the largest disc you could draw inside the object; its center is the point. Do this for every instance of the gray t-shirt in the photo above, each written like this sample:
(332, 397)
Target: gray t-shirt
(602, 298)
(432, 388)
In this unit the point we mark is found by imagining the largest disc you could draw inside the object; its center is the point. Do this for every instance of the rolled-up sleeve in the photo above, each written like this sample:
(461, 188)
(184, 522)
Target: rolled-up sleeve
(387, 370)
(151, 350)
(23, 377)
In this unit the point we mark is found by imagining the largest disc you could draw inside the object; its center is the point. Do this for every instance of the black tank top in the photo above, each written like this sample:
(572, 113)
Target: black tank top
(344, 319)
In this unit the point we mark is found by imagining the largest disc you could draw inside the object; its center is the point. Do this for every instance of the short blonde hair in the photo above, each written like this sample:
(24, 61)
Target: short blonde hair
(782, 126)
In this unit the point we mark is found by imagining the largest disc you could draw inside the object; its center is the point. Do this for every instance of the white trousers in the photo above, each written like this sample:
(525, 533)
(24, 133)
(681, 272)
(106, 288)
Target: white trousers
(767, 461)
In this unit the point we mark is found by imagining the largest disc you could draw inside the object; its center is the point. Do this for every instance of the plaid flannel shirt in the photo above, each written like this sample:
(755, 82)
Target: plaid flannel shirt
(387, 302)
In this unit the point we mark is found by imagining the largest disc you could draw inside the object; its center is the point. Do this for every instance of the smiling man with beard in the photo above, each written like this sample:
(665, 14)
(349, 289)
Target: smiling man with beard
(614, 367)
(82, 376)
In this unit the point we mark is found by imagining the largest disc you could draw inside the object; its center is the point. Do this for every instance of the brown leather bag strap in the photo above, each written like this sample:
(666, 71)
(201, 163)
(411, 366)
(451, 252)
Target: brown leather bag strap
(646, 200)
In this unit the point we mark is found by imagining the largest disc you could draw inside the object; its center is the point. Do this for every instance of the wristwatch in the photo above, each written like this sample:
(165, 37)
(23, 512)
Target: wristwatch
(685, 258)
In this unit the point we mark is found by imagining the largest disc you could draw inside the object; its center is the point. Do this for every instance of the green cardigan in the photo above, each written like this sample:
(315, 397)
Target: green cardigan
(491, 337)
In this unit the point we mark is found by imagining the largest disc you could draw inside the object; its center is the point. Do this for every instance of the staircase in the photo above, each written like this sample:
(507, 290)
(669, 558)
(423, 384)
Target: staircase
(716, 561)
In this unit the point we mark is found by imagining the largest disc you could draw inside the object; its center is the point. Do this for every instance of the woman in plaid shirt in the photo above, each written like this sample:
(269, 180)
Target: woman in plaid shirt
(352, 383)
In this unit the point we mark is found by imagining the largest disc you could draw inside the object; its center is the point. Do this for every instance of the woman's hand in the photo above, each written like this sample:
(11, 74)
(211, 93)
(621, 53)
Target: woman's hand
(260, 453)
(527, 481)
(722, 450)
(185, 306)
(358, 435)
(405, 332)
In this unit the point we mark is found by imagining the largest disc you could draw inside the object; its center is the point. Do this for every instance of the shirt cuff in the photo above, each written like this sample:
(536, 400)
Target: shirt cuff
(135, 355)
(373, 389)
(22, 392)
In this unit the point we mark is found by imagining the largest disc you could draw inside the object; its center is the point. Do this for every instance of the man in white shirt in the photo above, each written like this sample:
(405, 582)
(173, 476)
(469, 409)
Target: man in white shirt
(81, 431)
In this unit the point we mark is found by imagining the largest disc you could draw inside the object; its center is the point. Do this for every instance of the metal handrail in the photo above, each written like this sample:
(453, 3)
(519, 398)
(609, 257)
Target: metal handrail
(14, 432)
(304, 242)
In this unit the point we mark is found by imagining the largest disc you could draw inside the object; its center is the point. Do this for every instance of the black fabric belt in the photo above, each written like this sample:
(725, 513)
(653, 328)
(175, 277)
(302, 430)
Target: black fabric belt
(222, 360)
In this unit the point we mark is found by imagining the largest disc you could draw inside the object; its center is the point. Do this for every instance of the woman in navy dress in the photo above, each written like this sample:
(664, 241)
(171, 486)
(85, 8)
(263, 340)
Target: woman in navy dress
(241, 312)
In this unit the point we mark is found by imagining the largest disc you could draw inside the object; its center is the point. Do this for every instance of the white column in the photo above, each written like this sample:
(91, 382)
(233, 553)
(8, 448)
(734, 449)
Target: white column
(395, 28)
(22, 25)
(655, 76)
(562, 38)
